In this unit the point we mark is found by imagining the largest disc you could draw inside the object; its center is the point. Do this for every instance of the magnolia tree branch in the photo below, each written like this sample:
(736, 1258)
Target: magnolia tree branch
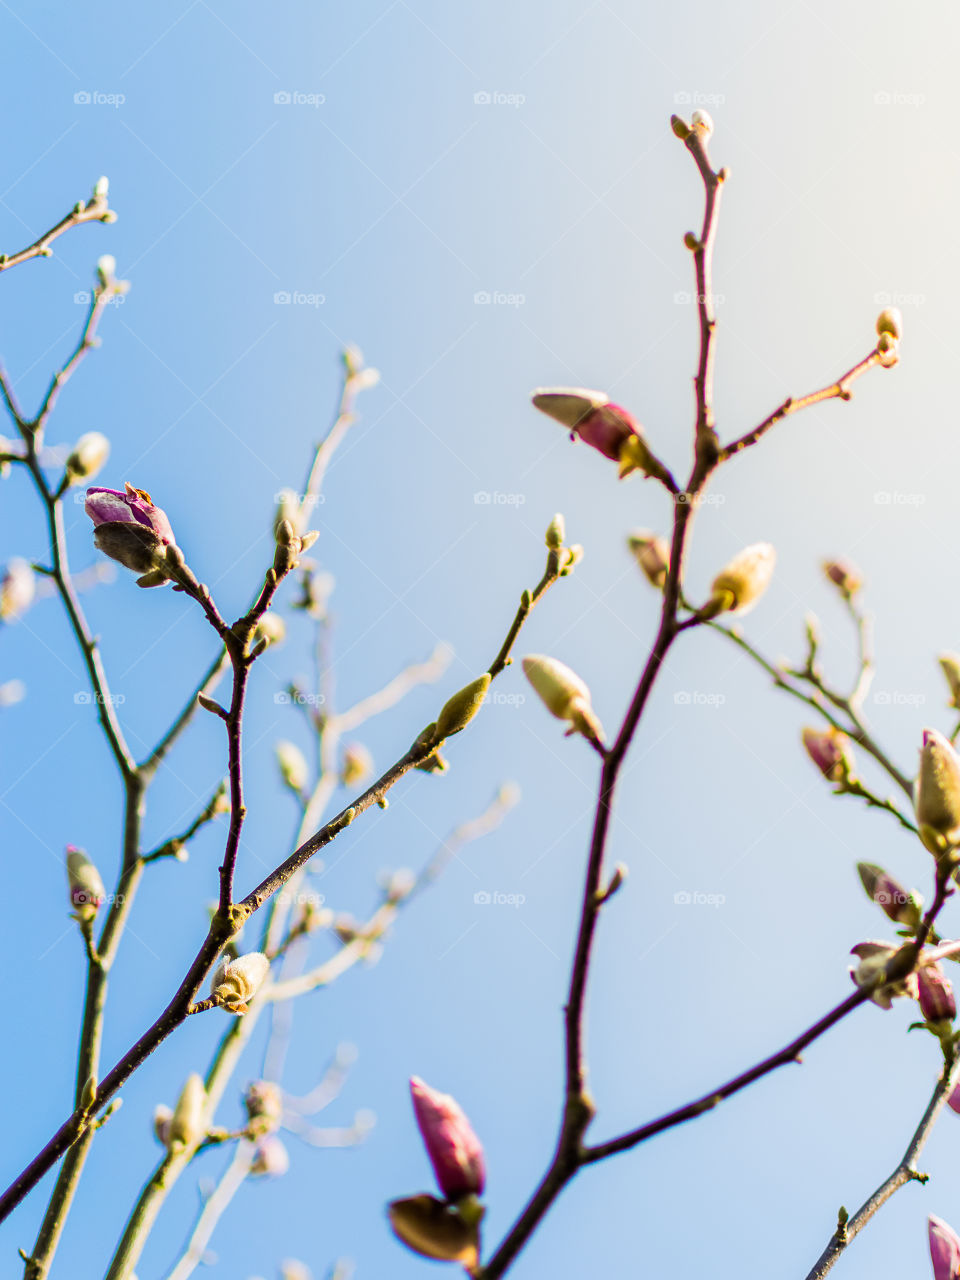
(96, 209)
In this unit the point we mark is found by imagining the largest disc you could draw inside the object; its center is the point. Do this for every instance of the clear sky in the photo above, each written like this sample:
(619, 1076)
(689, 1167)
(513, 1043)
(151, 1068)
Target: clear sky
(431, 155)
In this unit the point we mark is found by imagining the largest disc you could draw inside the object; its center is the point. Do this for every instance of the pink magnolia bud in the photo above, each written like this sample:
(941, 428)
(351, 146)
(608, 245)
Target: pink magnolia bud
(590, 415)
(944, 1249)
(874, 958)
(130, 529)
(830, 752)
(845, 577)
(937, 1001)
(953, 1102)
(270, 1159)
(890, 896)
(454, 1149)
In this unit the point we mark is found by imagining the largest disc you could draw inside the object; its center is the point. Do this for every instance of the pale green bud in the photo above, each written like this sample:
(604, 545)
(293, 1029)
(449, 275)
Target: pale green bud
(950, 666)
(187, 1125)
(741, 583)
(293, 765)
(937, 794)
(87, 456)
(459, 710)
(564, 694)
(555, 532)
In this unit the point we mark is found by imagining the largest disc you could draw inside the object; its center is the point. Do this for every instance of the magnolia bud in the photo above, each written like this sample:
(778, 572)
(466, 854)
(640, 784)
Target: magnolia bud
(555, 532)
(845, 577)
(86, 888)
(270, 1159)
(564, 694)
(741, 583)
(435, 1230)
(459, 710)
(161, 1124)
(944, 1249)
(701, 120)
(454, 1149)
(188, 1122)
(830, 752)
(874, 958)
(890, 321)
(590, 415)
(680, 127)
(937, 794)
(357, 764)
(893, 900)
(937, 1001)
(87, 456)
(652, 554)
(889, 350)
(106, 270)
(129, 528)
(235, 982)
(293, 765)
(288, 512)
(271, 628)
(17, 589)
(264, 1103)
(950, 666)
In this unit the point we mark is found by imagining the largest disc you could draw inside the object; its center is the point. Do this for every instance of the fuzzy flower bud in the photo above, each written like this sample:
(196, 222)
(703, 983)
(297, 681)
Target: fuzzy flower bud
(937, 794)
(436, 1230)
(288, 509)
(604, 426)
(86, 888)
(652, 554)
(293, 765)
(17, 588)
(950, 666)
(893, 900)
(890, 321)
(264, 1103)
(845, 577)
(830, 752)
(741, 583)
(889, 351)
(874, 958)
(271, 628)
(235, 982)
(937, 1001)
(944, 1249)
(357, 764)
(162, 1115)
(188, 1122)
(454, 1149)
(556, 531)
(564, 695)
(270, 1158)
(457, 712)
(87, 456)
(130, 529)
(702, 121)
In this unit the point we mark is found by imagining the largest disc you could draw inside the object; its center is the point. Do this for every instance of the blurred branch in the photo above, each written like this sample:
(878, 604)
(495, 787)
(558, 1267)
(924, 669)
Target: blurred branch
(96, 209)
(215, 1206)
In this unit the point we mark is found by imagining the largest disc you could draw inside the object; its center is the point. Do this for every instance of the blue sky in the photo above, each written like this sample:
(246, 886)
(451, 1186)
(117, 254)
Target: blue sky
(385, 197)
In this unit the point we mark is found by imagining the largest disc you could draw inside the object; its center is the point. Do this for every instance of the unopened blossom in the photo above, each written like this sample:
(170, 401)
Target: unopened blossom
(87, 456)
(937, 794)
(593, 418)
(564, 694)
(741, 582)
(270, 1158)
(944, 1249)
(129, 528)
(890, 896)
(454, 1149)
(86, 887)
(188, 1122)
(652, 554)
(357, 764)
(873, 960)
(890, 320)
(292, 764)
(235, 982)
(162, 1115)
(950, 666)
(830, 752)
(937, 1001)
(845, 577)
(271, 627)
(264, 1103)
(18, 587)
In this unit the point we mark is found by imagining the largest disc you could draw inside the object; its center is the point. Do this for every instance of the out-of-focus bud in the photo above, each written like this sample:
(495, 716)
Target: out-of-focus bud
(235, 982)
(288, 509)
(188, 1123)
(893, 900)
(457, 712)
(944, 1249)
(130, 529)
(702, 122)
(890, 321)
(604, 426)
(680, 127)
(564, 694)
(556, 531)
(874, 958)
(162, 1116)
(87, 456)
(830, 752)
(293, 765)
(86, 888)
(18, 586)
(435, 1230)
(937, 794)
(399, 884)
(846, 577)
(357, 764)
(271, 628)
(106, 270)
(889, 350)
(270, 1158)
(953, 1102)
(454, 1149)
(264, 1103)
(937, 1001)
(652, 554)
(294, 1269)
(950, 666)
(741, 583)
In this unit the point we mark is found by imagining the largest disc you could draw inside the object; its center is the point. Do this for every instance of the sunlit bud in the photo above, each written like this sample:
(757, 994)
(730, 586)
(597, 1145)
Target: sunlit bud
(17, 588)
(86, 888)
(294, 1269)
(893, 900)
(890, 321)
(235, 982)
(937, 1001)
(937, 794)
(874, 958)
(293, 765)
(188, 1122)
(87, 456)
(130, 529)
(101, 189)
(271, 628)
(950, 666)
(701, 120)
(399, 884)
(366, 379)
(161, 1124)
(574, 554)
(457, 712)
(454, 1149)
(741, 583)
(605, 426)
(435, 1230)
(264, 1103)
(652, 554)
(830, 752)
(564, 694)
(680, 127)
(889, 350)
(944, 1249)
(106, 270)
(846, 577)
(556, 530)
(357, 764)
(288, 509)
(270, 1158)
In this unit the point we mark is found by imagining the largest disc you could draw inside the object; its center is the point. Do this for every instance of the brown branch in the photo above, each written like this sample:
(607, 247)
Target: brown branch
(96, 209)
